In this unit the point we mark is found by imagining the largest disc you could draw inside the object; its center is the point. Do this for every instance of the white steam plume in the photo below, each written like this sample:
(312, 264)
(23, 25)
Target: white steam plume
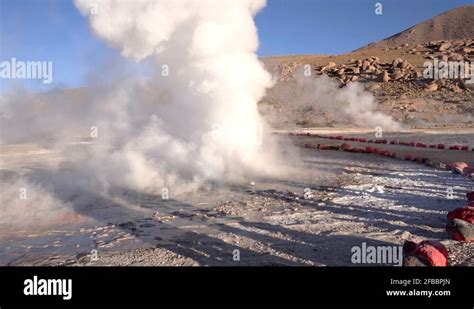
(198, 123)
(351, 104)
(207, 120)
(319, 100)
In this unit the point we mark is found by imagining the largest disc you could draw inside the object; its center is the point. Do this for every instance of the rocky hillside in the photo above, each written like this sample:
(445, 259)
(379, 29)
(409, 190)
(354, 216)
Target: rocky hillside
(455, 24)
(393, 73)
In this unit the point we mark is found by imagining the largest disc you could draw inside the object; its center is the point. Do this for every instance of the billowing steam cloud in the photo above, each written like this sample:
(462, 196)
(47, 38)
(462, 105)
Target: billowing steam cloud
(195, 120)
(351, 104)
(321, 101)
(206, 122)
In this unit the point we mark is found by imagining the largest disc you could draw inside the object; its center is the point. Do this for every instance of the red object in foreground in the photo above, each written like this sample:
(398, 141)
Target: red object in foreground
(346, 146)
(458, 167)
(324, 146)
(427, 253)
(463, 213)
(441, 146)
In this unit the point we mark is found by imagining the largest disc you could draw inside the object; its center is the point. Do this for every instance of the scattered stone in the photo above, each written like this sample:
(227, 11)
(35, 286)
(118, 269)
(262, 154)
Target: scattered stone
(397, 74)
(443, 58)
(365, 65)
(328, 66)
(431, 86)
(374, 86)
(460, 230)
(444, 46)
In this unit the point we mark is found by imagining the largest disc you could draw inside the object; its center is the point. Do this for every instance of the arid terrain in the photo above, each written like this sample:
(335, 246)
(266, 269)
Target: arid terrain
(392, 70)
(353, 199)
(329, 200)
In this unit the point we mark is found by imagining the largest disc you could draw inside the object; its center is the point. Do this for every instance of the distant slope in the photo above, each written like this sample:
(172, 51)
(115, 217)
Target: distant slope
(452, 25)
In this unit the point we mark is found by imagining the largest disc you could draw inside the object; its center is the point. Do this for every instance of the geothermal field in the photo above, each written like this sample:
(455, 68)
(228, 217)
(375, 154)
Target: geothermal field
(353, 198)
(224, 158)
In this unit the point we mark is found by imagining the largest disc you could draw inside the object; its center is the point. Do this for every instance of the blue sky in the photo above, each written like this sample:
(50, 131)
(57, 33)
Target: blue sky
(53, 30)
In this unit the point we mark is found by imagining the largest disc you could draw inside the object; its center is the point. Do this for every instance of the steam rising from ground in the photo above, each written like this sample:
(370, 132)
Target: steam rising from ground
(301, 97)
(349, 104)
(196, 120)
(206, 122)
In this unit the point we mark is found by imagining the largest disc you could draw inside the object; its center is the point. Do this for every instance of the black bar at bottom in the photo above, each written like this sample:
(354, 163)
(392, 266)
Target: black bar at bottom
(309, 285)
